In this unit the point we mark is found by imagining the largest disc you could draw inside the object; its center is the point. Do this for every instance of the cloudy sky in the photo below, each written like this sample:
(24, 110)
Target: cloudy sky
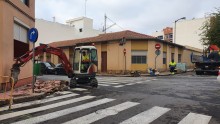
(143, 16)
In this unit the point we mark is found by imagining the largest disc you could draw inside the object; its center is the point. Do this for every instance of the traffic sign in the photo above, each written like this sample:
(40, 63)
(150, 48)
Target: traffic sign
(33, 35)
(157, 52)
(157, 46)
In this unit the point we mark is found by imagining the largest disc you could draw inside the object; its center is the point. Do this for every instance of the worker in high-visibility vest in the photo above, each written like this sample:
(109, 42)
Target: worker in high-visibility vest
(172, 66)
(85, 61)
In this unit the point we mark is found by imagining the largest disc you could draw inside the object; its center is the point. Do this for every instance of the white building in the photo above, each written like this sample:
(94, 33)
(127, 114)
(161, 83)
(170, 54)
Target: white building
(74, 29)
(187, 32)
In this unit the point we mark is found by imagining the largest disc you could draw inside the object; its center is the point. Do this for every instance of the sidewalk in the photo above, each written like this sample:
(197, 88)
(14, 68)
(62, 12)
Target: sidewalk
(42, 89)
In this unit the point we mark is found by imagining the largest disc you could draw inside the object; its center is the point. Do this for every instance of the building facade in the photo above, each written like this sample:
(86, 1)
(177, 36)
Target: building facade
(73, 29)
(16, 17)
(127, 51)
(188, 33)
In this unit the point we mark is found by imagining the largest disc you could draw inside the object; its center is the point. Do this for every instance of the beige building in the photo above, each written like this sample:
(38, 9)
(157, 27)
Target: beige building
(140, 52)
(16, 17)
(188, 33)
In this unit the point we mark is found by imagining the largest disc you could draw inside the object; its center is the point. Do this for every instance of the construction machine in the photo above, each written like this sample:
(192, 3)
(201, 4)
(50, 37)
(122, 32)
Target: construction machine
(82, 72)
(209, 62)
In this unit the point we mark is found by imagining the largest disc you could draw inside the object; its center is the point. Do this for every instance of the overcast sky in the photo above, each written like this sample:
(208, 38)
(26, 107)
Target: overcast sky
(143, 16)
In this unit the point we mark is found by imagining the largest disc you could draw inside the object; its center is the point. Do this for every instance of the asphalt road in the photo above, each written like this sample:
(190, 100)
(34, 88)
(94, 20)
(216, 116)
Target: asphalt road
(160, 100)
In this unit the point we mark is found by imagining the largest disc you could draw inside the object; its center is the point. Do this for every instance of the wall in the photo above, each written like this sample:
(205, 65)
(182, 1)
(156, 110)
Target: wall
(188, 32)
(54, 31)
(8, 14)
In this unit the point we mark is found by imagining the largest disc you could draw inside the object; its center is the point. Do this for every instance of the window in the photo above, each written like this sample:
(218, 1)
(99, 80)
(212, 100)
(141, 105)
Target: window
(160, 37)
(26, 2)
(94, 55)
(80, 30)
(172, 56)
(170, 36)
(139, 57)
(179, 58)
(21, 45)
(164, 58)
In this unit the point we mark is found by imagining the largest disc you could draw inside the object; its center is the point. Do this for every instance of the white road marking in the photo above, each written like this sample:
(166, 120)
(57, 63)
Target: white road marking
(78, 89)
(107, 83)
(25, 104)
(139, 82)
(193, 118)
(130, 84)
(100, 114)
(43, 108)
(57, 114)
(147, 117)
(119, 86)
(103, 85)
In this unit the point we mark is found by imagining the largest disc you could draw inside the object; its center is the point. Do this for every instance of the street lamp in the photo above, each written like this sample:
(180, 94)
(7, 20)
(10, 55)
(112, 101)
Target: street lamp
(175, 28)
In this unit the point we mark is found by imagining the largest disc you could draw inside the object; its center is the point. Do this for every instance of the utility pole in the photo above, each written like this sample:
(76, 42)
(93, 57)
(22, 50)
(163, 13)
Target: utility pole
(105, 18)
(85, 7)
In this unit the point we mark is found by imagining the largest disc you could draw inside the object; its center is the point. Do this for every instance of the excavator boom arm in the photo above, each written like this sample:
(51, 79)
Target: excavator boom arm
(39, 50)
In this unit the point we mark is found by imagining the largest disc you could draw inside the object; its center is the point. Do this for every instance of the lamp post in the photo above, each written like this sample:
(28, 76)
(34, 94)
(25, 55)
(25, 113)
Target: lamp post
(175, 28)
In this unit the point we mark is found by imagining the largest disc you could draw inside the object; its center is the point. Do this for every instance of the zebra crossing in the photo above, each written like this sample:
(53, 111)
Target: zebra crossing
(55, 108)
(118, 82)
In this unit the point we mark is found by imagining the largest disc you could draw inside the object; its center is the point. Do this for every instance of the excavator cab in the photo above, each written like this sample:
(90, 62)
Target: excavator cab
(85, 66)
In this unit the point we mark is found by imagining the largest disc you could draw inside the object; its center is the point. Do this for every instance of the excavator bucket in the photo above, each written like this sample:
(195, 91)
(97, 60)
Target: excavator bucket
(15, 71)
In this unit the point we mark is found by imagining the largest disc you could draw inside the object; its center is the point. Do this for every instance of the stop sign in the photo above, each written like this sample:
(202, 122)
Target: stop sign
(157, 46)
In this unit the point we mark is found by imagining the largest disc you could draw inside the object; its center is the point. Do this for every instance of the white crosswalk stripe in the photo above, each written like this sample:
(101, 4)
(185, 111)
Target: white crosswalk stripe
(114, 109)
(118, 82)
(102, 113)
(63, 112)
(193, 118)
(79, 89)
(148, 116)
(28, 111)
(14, 106)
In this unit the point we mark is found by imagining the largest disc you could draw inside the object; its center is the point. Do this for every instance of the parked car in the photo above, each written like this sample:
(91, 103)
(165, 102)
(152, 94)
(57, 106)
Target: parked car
(59, 69)
(47, 68)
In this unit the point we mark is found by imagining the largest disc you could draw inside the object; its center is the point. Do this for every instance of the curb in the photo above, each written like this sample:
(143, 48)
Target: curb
(24, 99)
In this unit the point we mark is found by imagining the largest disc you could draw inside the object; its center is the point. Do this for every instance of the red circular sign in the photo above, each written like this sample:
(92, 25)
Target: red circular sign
(157, 46)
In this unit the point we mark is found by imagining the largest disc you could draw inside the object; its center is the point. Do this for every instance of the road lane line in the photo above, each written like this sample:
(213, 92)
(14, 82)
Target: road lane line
(193, 118)
(147, 117)
(25, 104)
(100, 114)
(57, 114)
(43, 108)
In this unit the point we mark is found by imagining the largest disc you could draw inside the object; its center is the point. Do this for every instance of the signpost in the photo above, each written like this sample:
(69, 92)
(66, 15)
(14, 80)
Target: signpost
(157, 52)
(157, 46)
(32, 37)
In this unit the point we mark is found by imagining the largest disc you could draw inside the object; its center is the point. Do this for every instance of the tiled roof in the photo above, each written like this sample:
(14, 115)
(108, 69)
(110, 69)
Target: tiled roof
(127, 34)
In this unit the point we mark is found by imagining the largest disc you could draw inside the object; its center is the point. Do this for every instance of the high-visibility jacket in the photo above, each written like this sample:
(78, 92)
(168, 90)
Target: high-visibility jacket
(172, 64)
(85, 58)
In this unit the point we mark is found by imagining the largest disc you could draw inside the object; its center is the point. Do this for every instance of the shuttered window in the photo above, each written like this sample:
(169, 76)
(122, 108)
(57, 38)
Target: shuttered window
(21, 45)
(139, 57)
(20, 33)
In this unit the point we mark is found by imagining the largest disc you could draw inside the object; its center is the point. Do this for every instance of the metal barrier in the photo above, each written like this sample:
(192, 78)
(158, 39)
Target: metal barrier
(4, 81)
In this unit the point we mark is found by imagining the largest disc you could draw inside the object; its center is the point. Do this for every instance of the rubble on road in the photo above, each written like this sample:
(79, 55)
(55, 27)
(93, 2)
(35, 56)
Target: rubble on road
(50, 86)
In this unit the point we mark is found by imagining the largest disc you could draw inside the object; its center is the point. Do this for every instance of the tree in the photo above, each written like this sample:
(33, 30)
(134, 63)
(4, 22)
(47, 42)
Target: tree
(211, 29)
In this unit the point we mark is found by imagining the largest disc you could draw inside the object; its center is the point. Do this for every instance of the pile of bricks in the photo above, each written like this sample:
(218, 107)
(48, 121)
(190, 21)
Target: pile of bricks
(50, 86)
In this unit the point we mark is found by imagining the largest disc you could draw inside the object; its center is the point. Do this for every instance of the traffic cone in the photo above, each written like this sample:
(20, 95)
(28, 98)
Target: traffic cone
(218, 78)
